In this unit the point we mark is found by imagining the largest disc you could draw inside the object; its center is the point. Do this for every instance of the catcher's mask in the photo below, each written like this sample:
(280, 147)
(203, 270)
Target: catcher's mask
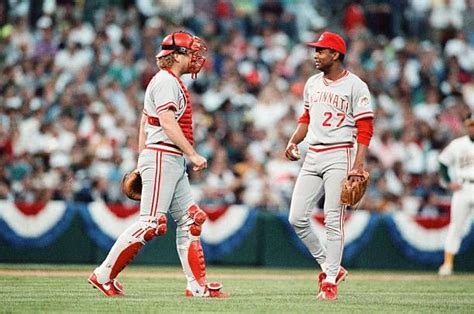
(185, 43)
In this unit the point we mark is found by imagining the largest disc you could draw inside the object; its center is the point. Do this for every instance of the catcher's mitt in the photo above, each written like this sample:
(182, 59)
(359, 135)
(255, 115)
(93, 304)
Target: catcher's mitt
(132, 185)
(353, 190)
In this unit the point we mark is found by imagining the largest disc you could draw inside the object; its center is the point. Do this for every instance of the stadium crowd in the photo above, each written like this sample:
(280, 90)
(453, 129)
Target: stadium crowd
(73, 75)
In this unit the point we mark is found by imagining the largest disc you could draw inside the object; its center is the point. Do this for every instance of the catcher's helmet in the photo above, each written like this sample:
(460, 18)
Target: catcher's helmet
(184, 42)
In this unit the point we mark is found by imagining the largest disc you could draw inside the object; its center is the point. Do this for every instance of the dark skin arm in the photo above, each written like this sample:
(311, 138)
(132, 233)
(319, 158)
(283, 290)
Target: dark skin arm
(297, 137)
(358, 168)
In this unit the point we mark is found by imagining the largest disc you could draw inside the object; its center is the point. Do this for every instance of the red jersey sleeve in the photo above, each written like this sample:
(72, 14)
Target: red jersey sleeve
(304, 118)
(365, 130)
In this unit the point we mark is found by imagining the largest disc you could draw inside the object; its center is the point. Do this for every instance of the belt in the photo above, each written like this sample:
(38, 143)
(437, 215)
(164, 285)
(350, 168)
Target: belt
(165, 147)
(468, 180)
(319, 148)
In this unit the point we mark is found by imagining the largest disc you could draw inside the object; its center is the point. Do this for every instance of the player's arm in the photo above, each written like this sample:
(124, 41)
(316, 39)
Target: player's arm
(365, 131)
(291, 151)
(446, 181)
(141, 134)
(175, 134)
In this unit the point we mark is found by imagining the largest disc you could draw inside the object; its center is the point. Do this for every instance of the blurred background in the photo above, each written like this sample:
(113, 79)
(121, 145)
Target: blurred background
(73, 75)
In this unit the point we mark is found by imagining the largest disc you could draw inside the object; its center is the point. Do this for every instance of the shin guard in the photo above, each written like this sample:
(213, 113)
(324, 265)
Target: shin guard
(195, 254)
(196, 262)
(192, 256)
(128, 245)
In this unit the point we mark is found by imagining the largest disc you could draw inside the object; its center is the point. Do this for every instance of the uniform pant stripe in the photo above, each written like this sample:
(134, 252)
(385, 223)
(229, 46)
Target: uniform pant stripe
(341, 225)
(343, 207)
(160, 161)
(154, 184)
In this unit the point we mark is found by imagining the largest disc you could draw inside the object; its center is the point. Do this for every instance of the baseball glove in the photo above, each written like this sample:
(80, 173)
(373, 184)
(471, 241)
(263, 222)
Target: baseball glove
(353, 190)
(132, 185)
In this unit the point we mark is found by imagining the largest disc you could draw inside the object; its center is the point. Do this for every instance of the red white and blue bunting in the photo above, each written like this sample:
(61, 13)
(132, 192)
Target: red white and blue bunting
(225, 229)
(38, 225)
(105, 222)
(422, 239)
(34, 224)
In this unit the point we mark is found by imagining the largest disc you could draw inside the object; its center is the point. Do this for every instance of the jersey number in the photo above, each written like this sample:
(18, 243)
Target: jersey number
(328, 121)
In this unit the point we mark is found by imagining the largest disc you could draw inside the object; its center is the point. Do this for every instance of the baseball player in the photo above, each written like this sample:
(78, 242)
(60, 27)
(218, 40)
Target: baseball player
(456, 164)
(166, 135)
(337, 112)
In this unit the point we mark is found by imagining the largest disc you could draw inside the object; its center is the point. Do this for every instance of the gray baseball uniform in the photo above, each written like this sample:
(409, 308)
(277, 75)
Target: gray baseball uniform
(161, 164)
(165, 183)
(334, 107)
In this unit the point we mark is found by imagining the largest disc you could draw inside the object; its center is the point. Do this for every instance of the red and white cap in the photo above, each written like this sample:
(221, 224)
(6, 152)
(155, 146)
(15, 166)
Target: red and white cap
(330, 40)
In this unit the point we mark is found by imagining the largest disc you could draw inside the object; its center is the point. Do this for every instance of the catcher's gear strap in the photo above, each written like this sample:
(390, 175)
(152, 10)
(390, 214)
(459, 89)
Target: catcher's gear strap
(365, 130)
(144, 232)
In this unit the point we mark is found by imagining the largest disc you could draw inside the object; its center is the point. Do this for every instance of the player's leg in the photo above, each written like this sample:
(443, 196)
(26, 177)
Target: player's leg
(123, 251)
(308, 190)
(155, 201)
(459, 216)
(333, 219)
(189, 219)
(337, 168)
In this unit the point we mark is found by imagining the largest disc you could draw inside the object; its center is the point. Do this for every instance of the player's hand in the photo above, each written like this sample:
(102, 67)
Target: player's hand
(355, 175)
(292, 152)
(199, 162)
(454, 186)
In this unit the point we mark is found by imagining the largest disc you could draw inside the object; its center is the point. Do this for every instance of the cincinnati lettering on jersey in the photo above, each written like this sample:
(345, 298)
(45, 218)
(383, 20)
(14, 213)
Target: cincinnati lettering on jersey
(330, 98)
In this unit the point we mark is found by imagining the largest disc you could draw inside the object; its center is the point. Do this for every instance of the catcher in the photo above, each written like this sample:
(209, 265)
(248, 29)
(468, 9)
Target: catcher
(160, 181)
(336, 106)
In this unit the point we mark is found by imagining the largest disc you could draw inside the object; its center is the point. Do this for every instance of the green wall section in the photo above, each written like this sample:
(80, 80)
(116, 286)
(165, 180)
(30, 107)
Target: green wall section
(268, 244)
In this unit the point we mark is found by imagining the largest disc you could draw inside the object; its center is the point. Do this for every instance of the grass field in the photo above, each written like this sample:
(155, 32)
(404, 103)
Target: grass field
(52, 288)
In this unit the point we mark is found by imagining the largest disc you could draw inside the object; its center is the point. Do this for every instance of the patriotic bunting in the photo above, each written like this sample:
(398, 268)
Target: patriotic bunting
(34, 224)
(39, 224)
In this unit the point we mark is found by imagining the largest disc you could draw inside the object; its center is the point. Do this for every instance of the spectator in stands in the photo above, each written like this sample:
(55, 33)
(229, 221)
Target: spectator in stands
(73, 81)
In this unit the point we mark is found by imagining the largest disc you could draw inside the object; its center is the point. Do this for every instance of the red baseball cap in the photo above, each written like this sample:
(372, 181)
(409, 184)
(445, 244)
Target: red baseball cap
(330, 40)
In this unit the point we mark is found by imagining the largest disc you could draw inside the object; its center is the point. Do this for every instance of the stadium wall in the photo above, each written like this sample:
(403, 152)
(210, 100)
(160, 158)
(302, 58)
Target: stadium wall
(60, 232)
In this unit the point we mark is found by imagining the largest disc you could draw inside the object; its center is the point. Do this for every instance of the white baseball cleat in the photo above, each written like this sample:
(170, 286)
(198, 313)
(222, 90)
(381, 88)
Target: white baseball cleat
(445, 270)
